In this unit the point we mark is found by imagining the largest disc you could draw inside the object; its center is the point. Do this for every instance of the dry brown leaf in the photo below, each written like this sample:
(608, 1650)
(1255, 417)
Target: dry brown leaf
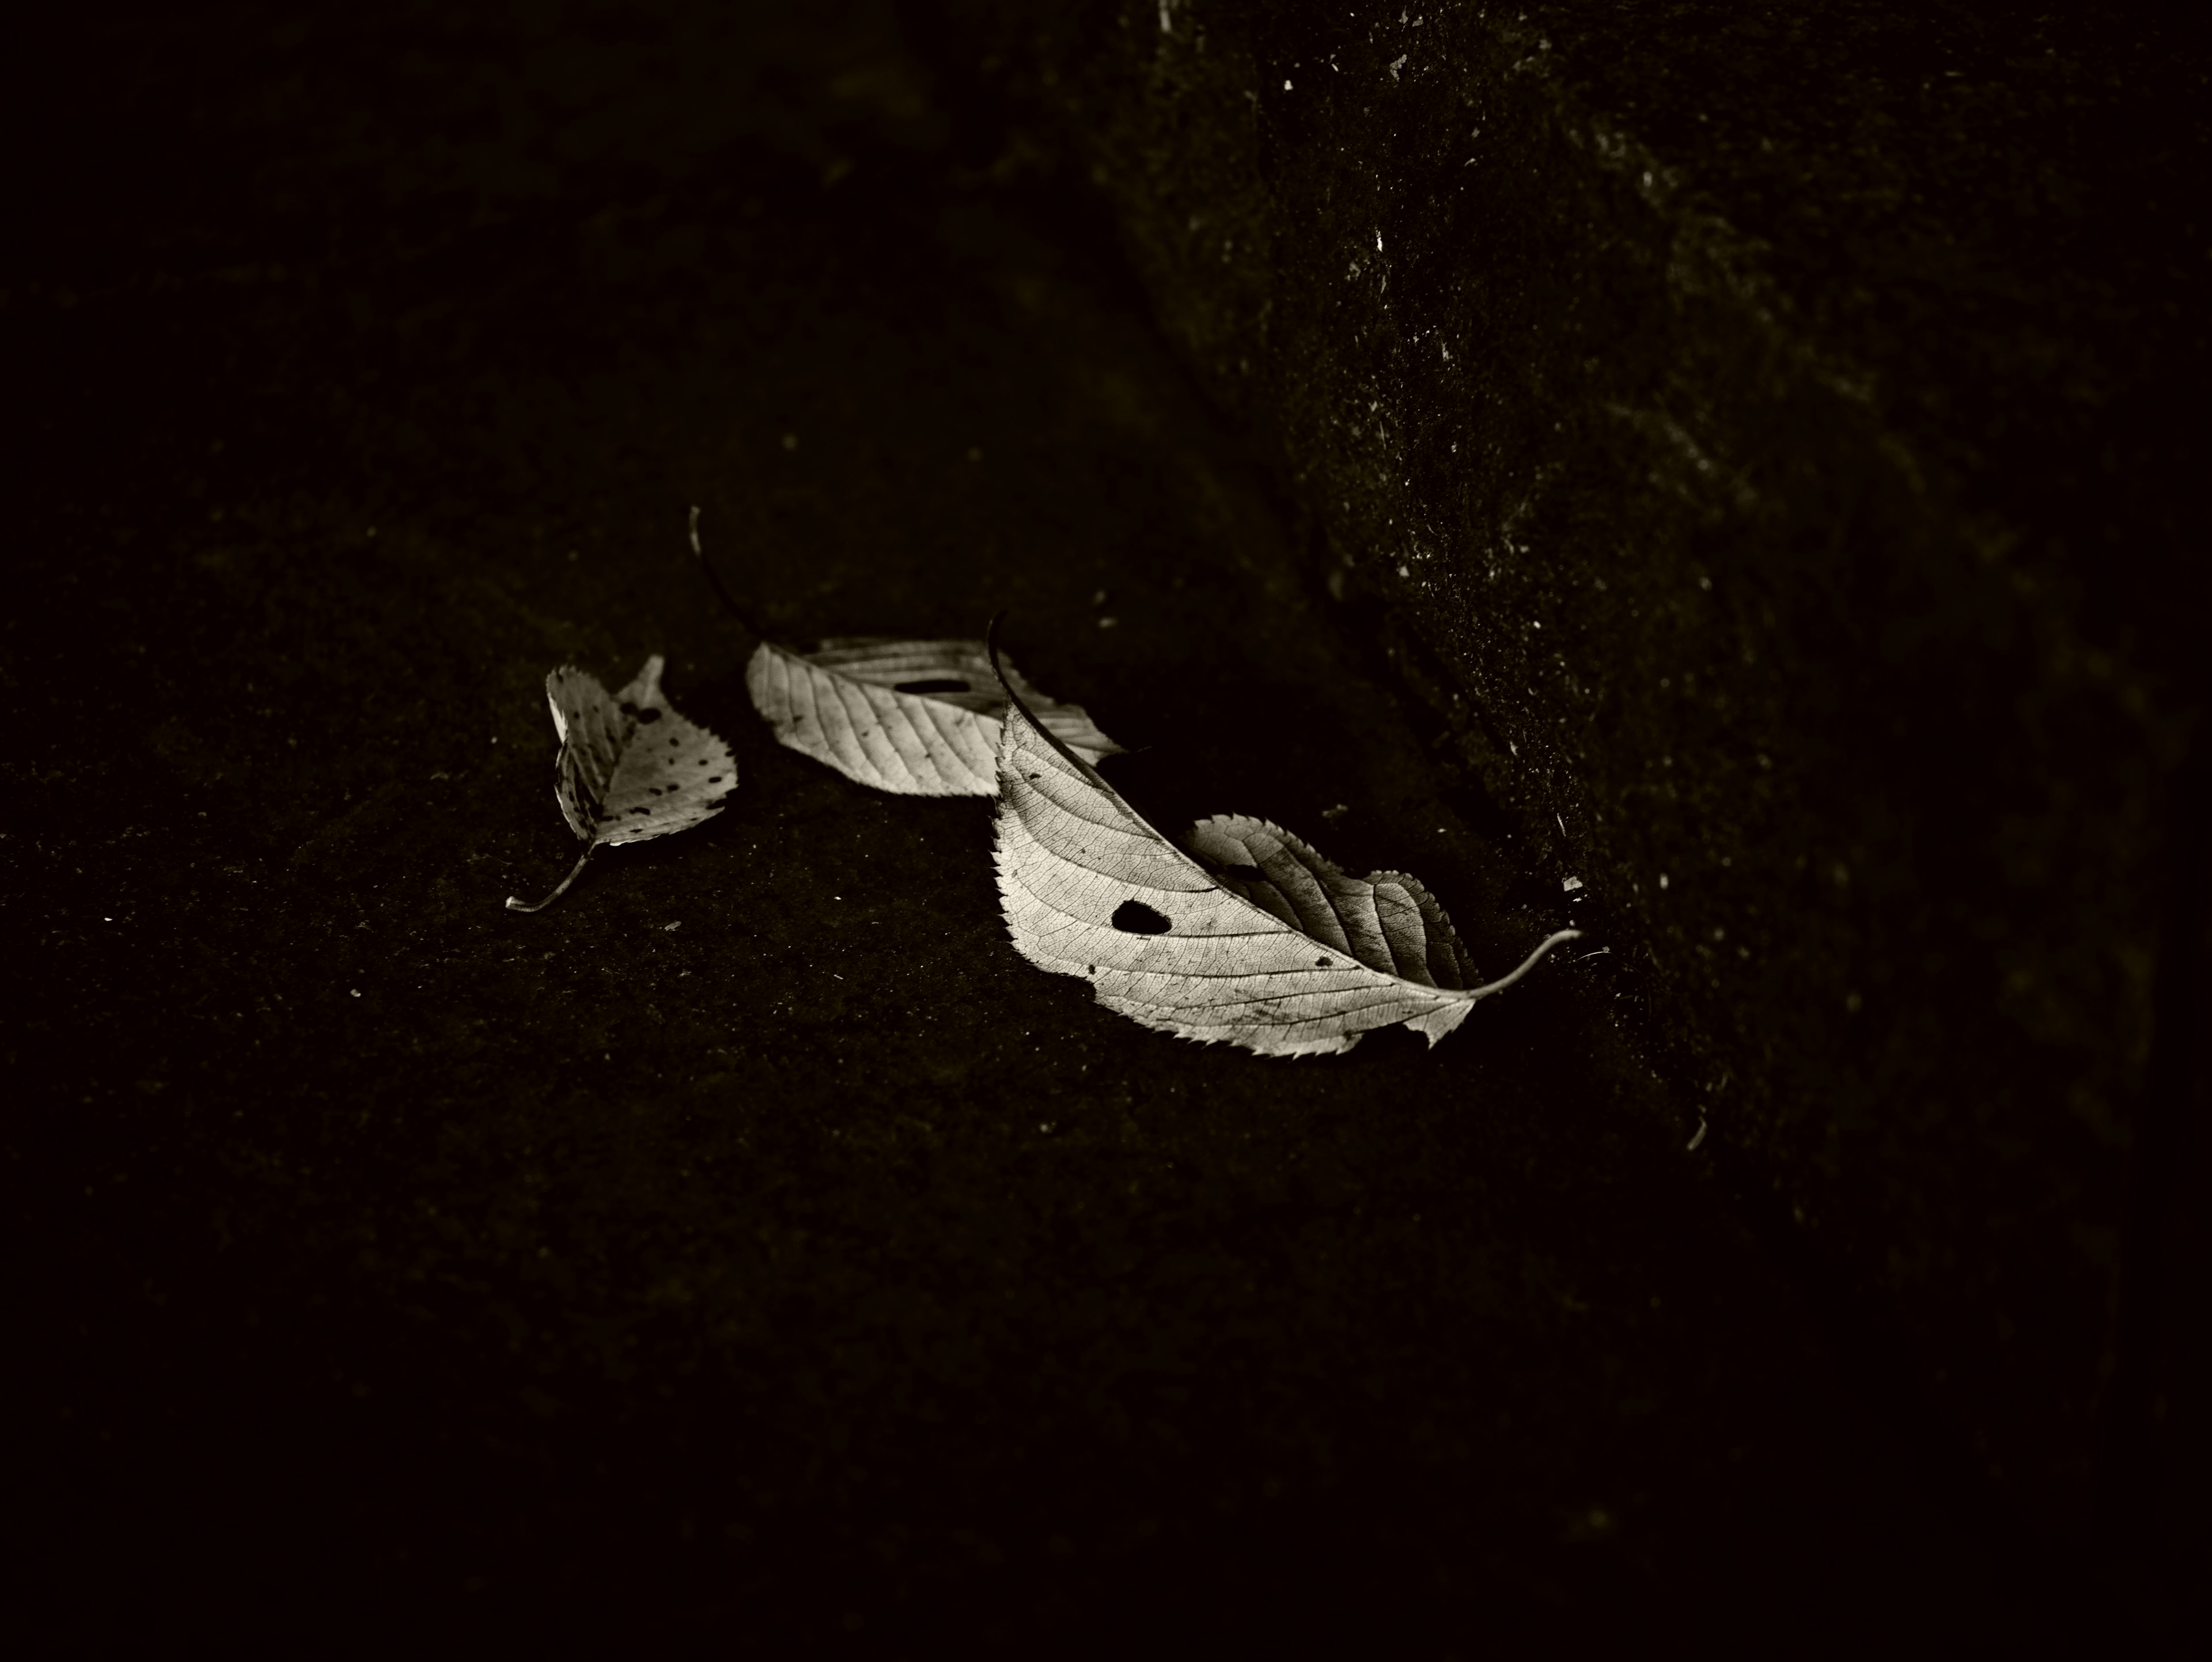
(1265, 945)
(630, 768)
(918, 717)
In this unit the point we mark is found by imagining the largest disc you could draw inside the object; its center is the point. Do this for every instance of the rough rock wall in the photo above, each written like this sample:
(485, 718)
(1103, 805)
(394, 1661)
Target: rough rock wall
(1763, 436)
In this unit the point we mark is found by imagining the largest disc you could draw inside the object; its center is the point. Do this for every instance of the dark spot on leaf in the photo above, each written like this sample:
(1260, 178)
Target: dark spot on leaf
(1323, 963)
(651, 715)
(940, 684)
(640, 810)
(628, 708)
(1094, 969)
(1135, 917)
(1036, 776)
(713, 778)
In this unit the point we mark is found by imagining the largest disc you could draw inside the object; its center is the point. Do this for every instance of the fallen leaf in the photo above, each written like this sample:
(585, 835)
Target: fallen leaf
(921, 718)
(630, 768)
(1258, 941)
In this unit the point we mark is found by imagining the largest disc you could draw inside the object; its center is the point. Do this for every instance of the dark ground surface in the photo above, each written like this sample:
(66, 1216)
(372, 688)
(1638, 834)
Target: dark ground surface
(753, 1247)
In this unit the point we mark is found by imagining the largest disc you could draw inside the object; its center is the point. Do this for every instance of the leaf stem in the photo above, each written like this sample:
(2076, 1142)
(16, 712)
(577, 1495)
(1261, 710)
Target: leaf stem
(744, 618)
(1527, 963)
(514, 904)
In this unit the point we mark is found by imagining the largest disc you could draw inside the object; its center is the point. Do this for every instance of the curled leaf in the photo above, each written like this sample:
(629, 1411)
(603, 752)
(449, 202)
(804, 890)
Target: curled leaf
(921, 718)
(1265, 945)
(630, 768)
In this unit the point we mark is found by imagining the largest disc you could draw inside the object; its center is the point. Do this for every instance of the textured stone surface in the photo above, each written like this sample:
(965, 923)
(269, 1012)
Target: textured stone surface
(1767, 436)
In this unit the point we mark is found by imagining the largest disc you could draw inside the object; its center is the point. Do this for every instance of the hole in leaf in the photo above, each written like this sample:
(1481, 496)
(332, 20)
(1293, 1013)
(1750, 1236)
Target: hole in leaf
(1323, 963)
(1135, 917)
(940, 684)
(649, 716)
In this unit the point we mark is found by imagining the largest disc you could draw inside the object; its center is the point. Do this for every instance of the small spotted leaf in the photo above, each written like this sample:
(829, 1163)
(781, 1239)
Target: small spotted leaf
(631, 767)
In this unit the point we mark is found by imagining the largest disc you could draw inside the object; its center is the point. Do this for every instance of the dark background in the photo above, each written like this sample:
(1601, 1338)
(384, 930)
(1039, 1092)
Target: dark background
(752, 1249)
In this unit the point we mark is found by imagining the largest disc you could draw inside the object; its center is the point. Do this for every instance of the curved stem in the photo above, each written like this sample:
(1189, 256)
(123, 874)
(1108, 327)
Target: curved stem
(1527, 963)
(744, 618)
(514, 904)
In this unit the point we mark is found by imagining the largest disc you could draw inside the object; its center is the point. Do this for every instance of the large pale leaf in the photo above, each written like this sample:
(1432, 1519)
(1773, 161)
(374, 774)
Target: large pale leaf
(631, 767)
(919, 717)
(1265, 944)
